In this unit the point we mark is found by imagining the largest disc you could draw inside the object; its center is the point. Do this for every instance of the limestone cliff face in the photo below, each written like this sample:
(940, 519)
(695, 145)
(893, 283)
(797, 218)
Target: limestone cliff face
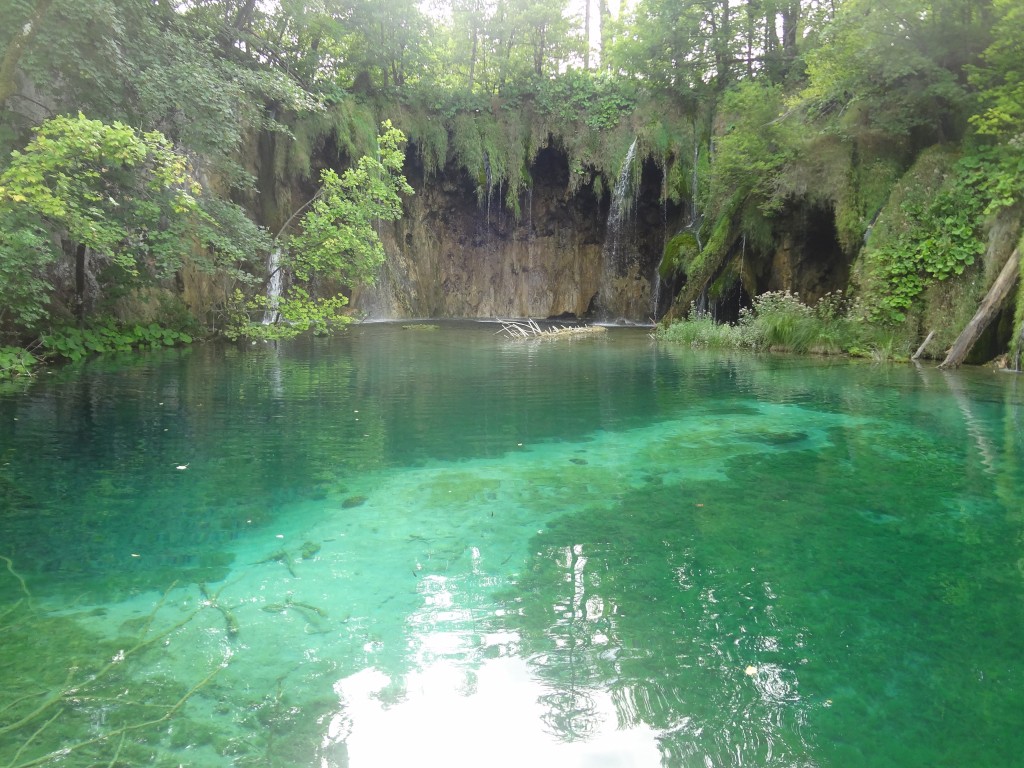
(808, 258)
(588, 255)
(453, 255)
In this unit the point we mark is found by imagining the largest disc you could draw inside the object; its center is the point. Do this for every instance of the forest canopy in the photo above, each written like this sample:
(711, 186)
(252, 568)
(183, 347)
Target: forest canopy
(151, 152)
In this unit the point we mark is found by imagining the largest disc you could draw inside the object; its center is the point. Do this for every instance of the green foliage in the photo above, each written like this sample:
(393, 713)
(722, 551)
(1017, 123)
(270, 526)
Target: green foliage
(703, 266)
(25, 252)
(680, 253)
(105, 187)
(348, 126)
(594, 100)
(895, 69)
(1000, 78)
(230, 241)
(337, 237)
(295, 312)
(756, 144)
(700, 331)
(15, 361)
(78, 343)
(70, 172)
(338, 244)
(934, 234)
(780, 321)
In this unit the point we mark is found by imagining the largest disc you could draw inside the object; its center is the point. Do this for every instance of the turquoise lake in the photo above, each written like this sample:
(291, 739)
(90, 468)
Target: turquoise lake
(439, 547)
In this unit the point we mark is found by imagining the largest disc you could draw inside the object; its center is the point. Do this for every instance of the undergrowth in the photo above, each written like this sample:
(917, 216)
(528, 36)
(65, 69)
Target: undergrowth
(779, 321)
(78, 343)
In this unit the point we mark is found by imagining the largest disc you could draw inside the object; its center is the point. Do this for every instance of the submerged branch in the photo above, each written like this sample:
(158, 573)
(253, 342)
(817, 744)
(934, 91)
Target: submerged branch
(124, 729)
(15, 574)
(74, 692)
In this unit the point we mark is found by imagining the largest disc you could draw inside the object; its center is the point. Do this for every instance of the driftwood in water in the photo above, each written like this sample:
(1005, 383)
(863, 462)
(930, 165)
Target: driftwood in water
(529, 329)
(989, 308)
(924, 344)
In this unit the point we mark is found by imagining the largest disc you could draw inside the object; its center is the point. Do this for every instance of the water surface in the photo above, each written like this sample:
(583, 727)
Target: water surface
(443, 548)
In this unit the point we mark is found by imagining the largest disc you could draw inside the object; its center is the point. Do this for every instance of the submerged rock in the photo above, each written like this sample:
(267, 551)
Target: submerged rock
(309, 549)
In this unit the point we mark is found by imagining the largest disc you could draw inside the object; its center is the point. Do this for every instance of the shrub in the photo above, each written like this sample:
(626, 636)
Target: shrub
(780, 321)
(15, 361)
(701, 331)
(77, 343)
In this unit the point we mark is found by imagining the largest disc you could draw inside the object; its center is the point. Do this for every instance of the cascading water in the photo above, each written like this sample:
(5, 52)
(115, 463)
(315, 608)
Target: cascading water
(617, 294)
(275, 284)
(616, 261)
(1019, 351)
(656, 279)
(487, 177)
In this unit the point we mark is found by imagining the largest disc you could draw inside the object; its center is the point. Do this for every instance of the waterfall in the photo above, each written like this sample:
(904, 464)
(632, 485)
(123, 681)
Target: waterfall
(275, 282)
(487, 179)
(529, 212)
(616, 292)
(616, 215)
(695, 214)
(378, 301)
(1020, 350)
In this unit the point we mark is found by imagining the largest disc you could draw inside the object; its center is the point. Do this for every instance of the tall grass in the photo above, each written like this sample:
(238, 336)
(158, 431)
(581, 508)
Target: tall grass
(779, 321)
(701, 331)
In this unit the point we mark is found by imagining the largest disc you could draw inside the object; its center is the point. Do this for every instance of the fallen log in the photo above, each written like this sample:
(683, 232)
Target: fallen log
(990, 306)
(924, 344)
(530, 329)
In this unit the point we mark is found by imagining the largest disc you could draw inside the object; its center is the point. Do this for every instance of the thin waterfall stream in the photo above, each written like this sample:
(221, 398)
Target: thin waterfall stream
(617, 258)
(275, 284)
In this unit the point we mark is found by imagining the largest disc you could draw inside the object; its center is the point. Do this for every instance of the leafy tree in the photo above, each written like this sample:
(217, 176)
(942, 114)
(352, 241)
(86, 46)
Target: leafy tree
(21, 27)
(105, 188)
(1000, 77)
(338, 239)
(1000, 119)
(896, 69)
(338, 242)
(470, 44)
(754, 147)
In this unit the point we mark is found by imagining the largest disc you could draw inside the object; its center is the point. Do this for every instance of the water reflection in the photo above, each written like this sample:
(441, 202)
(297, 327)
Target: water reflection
(496, 719)
(711, 671)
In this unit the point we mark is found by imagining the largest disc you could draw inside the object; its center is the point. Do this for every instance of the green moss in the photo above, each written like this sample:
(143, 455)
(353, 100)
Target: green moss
(679, 253)
(1017, 343)
(714, 254)
(889, 274)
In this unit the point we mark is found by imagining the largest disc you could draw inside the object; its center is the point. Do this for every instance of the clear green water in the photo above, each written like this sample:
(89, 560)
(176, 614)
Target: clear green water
(440, 548)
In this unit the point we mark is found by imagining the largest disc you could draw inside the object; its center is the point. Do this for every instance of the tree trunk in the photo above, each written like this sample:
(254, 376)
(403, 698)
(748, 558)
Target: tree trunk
(81, 267)
(990, 306)
(603, 17)
(586, 35)
(924, 345)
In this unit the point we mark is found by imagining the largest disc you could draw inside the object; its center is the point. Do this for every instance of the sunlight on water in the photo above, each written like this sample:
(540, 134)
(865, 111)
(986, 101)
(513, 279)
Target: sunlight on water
(441, 548)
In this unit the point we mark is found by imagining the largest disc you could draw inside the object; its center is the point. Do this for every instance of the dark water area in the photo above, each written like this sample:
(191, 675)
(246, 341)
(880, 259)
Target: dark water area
(445, 548)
